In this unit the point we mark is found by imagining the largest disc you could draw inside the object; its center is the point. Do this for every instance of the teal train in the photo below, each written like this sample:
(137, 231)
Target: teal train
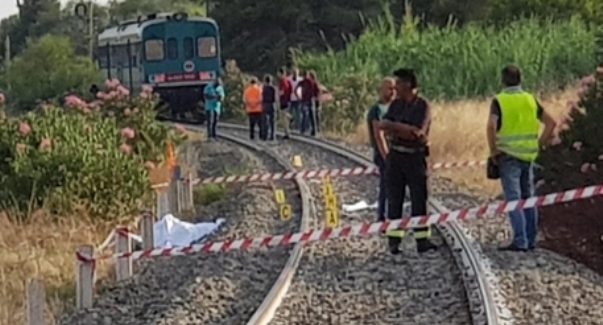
(176, 54)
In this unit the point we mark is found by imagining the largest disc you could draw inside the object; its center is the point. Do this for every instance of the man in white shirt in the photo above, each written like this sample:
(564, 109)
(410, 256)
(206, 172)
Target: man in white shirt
(295, 79)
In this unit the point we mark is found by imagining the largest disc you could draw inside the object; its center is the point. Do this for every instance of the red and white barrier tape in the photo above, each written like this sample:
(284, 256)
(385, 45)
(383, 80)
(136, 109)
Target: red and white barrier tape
(306, 174)
(366, 229)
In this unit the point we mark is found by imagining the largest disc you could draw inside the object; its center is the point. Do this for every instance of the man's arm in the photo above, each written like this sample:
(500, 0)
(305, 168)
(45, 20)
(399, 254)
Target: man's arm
(492, 127)
(402, 130)
(379, 136)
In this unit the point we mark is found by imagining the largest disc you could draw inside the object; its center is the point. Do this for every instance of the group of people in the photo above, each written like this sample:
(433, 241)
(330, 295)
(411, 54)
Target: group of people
(399, 125)
(297, 97)
(296, 100)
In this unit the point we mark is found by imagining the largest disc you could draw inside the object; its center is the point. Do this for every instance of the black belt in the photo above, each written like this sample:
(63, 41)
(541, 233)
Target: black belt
(403, 149)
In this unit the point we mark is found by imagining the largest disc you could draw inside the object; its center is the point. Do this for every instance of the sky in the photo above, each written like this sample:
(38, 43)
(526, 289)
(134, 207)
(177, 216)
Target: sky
(9, 7)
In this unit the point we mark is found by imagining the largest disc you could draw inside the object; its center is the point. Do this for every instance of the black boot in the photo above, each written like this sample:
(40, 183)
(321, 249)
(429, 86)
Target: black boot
(425, 245)
(394, 245)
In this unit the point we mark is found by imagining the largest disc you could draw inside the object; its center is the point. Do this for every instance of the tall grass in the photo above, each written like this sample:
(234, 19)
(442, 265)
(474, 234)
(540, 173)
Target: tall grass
(452, 62)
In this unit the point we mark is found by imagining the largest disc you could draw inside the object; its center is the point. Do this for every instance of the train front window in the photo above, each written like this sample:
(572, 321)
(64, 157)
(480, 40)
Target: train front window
(153, 50)
(172, 48)
(206, 47)
(189, 50)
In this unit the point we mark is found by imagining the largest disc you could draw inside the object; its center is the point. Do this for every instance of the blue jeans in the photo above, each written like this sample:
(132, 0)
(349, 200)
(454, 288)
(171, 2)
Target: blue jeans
(382, 200)
(307, 119)
(212, 122)
(296, 113)
(517, 178)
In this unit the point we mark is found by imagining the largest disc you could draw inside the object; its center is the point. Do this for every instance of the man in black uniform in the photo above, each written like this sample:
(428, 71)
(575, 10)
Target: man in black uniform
(406, 124)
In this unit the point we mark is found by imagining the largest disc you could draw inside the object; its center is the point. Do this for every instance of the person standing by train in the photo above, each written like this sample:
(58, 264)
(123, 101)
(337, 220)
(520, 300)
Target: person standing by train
(285, 89)
(214, 96)
(268, 108)
(407, 124)
(387, 92)
(252, 97)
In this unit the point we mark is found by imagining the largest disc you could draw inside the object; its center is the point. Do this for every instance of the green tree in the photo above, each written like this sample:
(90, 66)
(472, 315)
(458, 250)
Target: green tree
(48, 68)
(129, 9)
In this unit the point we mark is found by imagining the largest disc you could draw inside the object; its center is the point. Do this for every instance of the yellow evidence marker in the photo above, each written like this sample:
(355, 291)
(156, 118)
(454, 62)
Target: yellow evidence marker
(285, 212)
(332, 218)
(327, 188)
(279, 195)
(297, 161)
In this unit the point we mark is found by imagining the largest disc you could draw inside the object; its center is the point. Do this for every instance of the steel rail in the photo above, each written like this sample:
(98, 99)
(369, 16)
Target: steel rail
(482, 300)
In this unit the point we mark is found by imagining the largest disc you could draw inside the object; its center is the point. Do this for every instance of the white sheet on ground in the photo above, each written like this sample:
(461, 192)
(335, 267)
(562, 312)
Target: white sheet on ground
(172, 232)
(362, 205)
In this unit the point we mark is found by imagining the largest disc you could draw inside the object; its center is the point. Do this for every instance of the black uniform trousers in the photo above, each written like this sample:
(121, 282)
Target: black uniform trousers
(406, 169)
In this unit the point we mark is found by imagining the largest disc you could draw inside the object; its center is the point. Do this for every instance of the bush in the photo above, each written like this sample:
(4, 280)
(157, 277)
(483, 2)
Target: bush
(578, 151)
(49, 68)
(452, 62)
(83, 155)
(234, 85)
(209, 194)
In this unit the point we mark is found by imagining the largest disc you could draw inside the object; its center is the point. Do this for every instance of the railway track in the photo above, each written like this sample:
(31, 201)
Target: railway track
(225, 288)
(485, 306)
(343, 281)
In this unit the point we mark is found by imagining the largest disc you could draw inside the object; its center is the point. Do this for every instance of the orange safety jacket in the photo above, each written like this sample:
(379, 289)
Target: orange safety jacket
(253, 99)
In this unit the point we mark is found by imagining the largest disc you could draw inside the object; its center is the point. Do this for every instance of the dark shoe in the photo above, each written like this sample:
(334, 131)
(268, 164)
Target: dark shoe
(286, 137)
(394, 245)
(512, 248)
(424, 245)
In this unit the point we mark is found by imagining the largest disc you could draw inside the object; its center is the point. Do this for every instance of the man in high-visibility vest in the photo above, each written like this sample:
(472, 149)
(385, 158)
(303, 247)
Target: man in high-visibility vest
(514, 141)
(406, 124)
(253, 106)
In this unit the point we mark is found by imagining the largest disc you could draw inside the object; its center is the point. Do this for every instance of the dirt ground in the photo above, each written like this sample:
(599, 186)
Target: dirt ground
(575, 230)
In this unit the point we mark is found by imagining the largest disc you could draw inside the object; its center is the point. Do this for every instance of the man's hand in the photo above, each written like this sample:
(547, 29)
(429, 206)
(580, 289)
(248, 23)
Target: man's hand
(420, 135)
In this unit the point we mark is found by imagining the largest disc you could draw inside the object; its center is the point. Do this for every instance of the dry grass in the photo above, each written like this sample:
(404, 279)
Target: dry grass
(42, 248)
(458, 133)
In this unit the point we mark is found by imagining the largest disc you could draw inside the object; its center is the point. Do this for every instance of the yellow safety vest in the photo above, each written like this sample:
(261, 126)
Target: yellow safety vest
(419, 233)
(518, 134)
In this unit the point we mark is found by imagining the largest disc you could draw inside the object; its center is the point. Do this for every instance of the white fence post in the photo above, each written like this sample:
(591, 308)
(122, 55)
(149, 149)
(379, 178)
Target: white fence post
(123, 265)
(173, 196)
(35, 302)
(189, 193)
(84, 278)
(146, 226)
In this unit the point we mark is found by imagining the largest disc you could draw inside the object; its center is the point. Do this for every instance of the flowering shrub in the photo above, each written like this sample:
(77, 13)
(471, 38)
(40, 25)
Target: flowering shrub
(94, 155)
(577, 153)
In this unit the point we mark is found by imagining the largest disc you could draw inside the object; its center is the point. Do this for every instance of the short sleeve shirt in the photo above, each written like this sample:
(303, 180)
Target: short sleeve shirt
(214, 104)
(416, 113)
(376, 113)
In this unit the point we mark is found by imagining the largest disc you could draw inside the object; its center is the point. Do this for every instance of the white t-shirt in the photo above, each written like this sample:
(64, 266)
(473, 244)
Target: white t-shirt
(296, 93)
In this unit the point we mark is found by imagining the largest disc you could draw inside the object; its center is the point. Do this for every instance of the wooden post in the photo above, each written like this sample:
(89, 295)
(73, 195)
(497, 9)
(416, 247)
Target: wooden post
(146, 225)
(163, 203)
(123, 266)
(84, 278)
(189, 193)
(173, 196)
(35, 302)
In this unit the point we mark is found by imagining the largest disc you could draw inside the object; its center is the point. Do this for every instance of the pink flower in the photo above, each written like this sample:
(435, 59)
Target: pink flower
(593, 167)
(95, 105)
(588, 81)
(583, 91)
(2, 99)
(125, 149)
(144, 95)
(101, 95)
(24, 128)
(149, 165)
(75, 102)
(45, 144)
(564, 127)
(127, 112)
(112, 95)
(123, 91)
(600, 69)
(180, 129)
(147, 89)
(600, 157)
(128, 133)
(585, 168)
(577, 145)
(21, 148)
(112, 84)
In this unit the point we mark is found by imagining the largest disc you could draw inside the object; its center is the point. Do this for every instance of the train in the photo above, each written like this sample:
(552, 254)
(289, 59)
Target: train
(176, 54)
